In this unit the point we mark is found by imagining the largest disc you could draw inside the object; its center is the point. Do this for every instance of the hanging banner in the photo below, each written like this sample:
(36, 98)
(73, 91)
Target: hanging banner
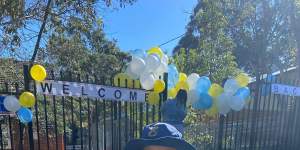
(74, 89)
(285, 90)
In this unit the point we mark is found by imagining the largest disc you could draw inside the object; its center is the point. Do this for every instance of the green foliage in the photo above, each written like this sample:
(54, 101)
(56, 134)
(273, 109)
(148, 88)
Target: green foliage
(262, 34)
(210, 52)
(20, 21)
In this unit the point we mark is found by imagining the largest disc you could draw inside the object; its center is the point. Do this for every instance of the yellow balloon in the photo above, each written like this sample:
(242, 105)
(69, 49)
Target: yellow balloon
(137, 84)
(156, 50)
(182, 77)
(172, 93)
(159, 86)
(153, 98)
(243, 79)
(212, 111)
(181, 85)
(120, 80)
(27, 99)
(38, 73)
(215, 90)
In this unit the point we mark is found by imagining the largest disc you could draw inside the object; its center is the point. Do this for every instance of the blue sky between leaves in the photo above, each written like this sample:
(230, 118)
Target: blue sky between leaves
(148, 23)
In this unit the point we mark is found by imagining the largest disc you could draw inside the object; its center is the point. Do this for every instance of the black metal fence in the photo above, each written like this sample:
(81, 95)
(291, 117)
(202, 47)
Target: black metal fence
(268, 122)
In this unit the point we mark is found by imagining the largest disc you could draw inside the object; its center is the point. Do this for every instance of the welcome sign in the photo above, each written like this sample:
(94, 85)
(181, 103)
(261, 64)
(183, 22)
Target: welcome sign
(63, 88)
(285, 90)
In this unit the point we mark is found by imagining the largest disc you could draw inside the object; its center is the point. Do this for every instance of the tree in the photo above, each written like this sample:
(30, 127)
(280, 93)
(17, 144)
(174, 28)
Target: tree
(205, 48)
(22, 22)
(295, 20)
(262, 36)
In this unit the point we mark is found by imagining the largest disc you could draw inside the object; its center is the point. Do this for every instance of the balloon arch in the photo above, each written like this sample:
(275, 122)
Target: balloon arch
(202, 94)
(146, 68)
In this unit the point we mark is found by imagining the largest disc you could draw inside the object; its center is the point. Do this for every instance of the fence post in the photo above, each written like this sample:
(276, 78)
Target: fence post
(27, 88)
(253, 117)
(220, 132)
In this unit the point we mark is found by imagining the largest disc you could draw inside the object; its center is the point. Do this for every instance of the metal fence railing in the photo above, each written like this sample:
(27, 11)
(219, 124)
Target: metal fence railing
(268, 122)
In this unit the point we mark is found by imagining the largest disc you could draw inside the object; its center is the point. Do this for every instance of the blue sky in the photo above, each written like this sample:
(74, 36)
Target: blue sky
(148, 23)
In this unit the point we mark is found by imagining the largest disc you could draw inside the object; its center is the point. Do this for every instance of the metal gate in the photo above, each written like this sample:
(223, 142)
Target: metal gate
(268, 122)
(75, 123)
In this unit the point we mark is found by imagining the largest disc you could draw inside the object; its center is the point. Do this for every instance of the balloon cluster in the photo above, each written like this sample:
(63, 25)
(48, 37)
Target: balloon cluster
(214, 98)
(235, 95)
(147, 67)
(26, 99)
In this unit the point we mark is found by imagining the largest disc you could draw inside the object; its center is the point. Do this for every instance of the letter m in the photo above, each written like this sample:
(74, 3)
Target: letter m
(133, 96)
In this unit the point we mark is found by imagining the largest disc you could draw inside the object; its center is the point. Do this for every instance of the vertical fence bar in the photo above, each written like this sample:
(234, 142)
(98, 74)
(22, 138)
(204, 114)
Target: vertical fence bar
(136, 120)
(126, 115)
(54, 111)
(11, 134)
(97, 116)
(89, 118)
(221, 131)
(119, 124)
(89, 124)
(112, 123)
(1, 136)
(295, 130)
(271, 113)
(21, 127)
(267, 95)
(46, 121)
(21, 136)
(37, 118)
(231, 128)
(80, 116)
(236, 139)
(254, 117)
(27, 88)
(104, 124)
(260, 115)
(247, 123)
(286, 121)
(276, 121)
(63, 117)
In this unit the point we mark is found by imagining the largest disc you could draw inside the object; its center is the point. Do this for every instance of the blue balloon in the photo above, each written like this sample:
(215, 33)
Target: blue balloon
(25, 115)
(205, 102)
(203, 84)
(173, 76)
(138, 53)
(243, 93)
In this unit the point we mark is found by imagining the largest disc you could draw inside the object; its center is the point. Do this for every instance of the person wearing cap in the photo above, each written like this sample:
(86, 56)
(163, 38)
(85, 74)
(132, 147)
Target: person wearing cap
(159, 136)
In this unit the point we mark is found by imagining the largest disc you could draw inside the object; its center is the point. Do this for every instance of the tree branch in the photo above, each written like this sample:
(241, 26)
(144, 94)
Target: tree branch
(37, 44)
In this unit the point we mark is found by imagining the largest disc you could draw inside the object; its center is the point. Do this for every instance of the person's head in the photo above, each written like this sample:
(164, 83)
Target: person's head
(159, 136)
(181, 96)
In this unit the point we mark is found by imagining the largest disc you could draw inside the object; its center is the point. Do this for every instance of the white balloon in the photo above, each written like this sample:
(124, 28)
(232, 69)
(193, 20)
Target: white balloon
(147, 81)
(222, 103)
(131, 74)
(236, 103)
(192, 97)
(156, 76)
(231, 86)
(152, 62)
(11, 103)
(163, 67)
(165, 59)
(192, 80)
(137, 65)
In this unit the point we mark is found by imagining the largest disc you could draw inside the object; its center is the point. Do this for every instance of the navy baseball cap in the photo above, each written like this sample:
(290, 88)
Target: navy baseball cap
(159, 134)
